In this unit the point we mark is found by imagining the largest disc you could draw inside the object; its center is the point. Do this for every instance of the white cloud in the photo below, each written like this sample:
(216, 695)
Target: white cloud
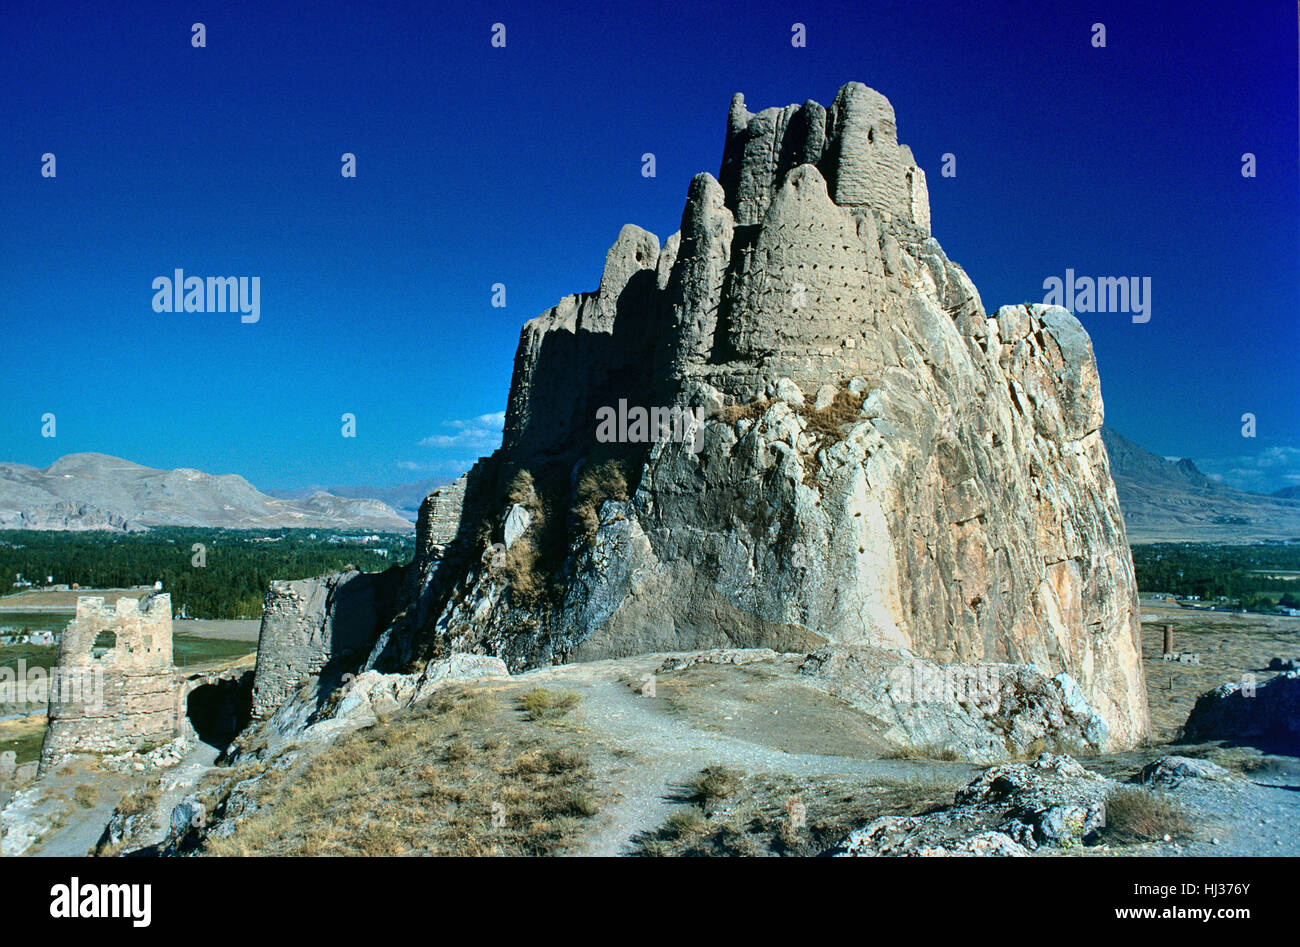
(482, 433)
(453, 467)
(1264, 472)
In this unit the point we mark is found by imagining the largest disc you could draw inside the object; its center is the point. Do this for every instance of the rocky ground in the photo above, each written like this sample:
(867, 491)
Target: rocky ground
(1230, 647)
(717, 752)
(66, 812)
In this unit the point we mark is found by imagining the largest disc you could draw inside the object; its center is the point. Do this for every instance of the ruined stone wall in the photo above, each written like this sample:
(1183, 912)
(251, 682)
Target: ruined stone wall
(584, 353)
(119, 699)
(854, 144)
(441, 515)
(308, 623)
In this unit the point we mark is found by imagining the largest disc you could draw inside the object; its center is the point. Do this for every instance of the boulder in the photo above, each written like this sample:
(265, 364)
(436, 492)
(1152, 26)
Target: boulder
(1264, 714)
(980, 713)
(372, 695)
(1011, 809)
(517, 523)
(188, 814)
(1173, 771)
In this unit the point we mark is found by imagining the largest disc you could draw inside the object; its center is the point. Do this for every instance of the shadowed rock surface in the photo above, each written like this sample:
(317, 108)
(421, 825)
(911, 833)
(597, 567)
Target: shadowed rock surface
(1266, 715)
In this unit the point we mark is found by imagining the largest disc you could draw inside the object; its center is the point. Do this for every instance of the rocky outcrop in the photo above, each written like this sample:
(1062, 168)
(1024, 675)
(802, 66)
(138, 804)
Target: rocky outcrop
(979, 713)
(1266, 714)
(873, 461)
(1172, 771)
(318, 711)
(1009, 810)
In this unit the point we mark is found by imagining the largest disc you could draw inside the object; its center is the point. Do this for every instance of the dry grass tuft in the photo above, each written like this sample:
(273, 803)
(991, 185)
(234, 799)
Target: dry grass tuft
(743, 412)
(598, 482)
(85, 796)
(1139, 815)
(828, 424)
(541, 703)
(716, 783)
(527, 581)
(779, 814)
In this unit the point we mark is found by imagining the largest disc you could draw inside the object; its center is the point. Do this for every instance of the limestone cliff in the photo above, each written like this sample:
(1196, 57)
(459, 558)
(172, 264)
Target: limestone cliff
(883, 464)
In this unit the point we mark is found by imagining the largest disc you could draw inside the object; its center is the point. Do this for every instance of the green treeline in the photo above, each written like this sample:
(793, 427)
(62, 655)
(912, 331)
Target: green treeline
(1254, 577)
(239, 564)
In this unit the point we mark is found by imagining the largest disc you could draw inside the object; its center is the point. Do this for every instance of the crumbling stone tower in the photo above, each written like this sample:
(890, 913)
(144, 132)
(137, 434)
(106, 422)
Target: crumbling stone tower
(123, 698)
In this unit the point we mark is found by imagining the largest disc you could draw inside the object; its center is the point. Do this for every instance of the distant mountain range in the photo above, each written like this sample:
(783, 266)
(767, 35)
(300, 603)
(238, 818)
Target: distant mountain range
(1171, 501)
(96, 491)
(404, 497)
(1163, 500)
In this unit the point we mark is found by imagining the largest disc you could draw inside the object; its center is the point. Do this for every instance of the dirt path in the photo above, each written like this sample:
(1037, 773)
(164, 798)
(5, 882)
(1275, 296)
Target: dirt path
(672, 748)
(652, 748)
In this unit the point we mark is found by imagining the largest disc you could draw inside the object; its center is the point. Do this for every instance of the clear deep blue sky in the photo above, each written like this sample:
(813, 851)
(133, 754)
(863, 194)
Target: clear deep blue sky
(519, 165)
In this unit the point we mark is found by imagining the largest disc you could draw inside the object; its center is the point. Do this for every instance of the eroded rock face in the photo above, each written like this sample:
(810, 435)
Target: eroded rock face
(978, 713)
(951, 498)
(883, 463)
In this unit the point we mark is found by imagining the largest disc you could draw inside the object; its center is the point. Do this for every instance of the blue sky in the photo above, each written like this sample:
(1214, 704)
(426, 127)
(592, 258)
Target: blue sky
(519, 165)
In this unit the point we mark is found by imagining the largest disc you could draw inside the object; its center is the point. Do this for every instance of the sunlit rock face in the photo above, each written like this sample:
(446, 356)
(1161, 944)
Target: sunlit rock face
(880, 463)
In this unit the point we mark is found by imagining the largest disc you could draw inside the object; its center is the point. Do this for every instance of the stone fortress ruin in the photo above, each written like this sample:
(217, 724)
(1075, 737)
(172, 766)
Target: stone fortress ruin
(116, 699)
(128, 696)
(890, 472)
